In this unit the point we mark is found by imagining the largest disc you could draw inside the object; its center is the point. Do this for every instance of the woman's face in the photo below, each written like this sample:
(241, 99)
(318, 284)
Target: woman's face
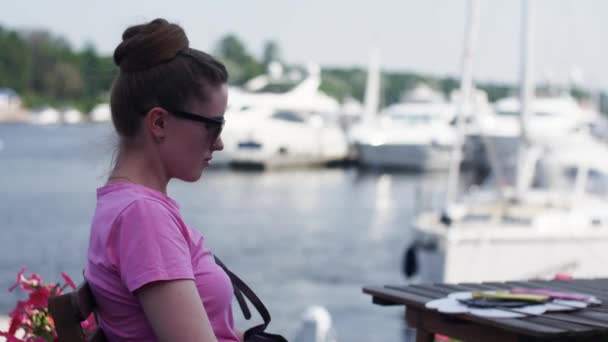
(189, 145)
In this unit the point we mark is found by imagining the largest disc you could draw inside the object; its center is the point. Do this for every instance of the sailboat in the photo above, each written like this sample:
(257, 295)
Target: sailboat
(515, 232)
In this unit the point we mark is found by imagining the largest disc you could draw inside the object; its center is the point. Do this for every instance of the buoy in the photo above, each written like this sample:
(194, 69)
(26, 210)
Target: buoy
(316, 326)
(410, 261)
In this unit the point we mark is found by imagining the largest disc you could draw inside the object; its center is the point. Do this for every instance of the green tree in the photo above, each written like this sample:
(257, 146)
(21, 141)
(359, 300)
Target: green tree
(63, 82)
(497, 91)
(241, 65)
(14, 61)
(44, 69)
(396, 84)
(335, 86)
(604, 103)
(270, 53)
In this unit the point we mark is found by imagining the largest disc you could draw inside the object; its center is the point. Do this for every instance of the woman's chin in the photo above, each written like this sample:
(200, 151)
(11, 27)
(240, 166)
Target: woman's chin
(197, 176)
(191, 177)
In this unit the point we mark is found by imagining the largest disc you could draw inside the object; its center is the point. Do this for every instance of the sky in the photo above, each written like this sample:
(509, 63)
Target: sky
(570, 36)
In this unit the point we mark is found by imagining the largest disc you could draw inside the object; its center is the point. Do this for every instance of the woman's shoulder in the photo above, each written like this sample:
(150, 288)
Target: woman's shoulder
(128, 195)
(120, 204)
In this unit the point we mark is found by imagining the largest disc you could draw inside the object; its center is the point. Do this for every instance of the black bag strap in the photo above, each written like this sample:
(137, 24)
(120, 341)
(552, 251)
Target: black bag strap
(237, 292)
(240, 289)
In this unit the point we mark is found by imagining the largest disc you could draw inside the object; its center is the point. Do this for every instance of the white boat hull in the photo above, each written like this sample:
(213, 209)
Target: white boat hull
(415, 157)
(261, 138)
(515, 255)
(274, 159)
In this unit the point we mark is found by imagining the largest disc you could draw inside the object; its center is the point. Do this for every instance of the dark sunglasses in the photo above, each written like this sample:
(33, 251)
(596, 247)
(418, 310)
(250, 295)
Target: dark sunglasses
(213, 126)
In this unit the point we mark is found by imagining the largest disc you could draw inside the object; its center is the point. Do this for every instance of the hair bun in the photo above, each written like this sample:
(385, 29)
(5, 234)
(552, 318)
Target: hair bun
(144, 46)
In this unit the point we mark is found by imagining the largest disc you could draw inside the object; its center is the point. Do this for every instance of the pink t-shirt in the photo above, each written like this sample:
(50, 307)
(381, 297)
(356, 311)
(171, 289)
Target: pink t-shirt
(138, 237)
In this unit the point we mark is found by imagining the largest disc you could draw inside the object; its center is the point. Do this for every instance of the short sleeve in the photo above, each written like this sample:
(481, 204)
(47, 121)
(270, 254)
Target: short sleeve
(150, 245)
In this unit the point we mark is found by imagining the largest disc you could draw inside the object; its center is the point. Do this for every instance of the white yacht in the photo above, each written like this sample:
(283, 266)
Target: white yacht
(292, 91)
(45, 116)
(101, 113)
(270, 129)
(273, 137)
(417, 134)
(72, 116)
(552, 123)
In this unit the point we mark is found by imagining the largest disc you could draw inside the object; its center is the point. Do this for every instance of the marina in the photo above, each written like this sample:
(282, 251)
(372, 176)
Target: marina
(418, 152)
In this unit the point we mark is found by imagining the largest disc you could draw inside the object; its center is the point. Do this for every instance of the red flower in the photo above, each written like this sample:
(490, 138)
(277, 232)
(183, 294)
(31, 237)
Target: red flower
(10, 337)
(27, 284)
(68, 281)
(18, 317)
(89, 324)
(31, 316)
(40, 298)
(15, 324)
(563, 276)
(33, 282)
(19, 279)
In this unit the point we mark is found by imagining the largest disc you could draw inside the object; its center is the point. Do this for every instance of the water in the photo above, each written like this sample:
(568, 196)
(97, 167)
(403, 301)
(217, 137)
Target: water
(299, 237)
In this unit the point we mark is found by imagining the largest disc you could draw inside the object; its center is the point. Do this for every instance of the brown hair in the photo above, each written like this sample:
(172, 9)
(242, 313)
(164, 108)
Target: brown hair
(157, 68)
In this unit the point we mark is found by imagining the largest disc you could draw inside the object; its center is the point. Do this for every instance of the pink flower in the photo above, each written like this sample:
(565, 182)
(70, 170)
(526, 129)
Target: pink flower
(19, 279)
(10, 337)
(89, 324)
(39, 298)
(27, 284)
(18, 317)
(34, 281)
(32, 316)
(68, 281)
(563, 276)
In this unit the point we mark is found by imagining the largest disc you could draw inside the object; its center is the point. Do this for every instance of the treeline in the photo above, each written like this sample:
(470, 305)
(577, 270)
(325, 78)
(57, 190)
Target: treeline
(337, 82)
(45, 69)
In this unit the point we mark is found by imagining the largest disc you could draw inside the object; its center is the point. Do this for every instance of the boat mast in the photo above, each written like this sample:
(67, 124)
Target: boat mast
(524, 162)
(465, 100)
(372, 89)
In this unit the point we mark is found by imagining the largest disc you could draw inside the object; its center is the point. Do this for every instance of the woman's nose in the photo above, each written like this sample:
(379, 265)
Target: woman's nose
(218, 145)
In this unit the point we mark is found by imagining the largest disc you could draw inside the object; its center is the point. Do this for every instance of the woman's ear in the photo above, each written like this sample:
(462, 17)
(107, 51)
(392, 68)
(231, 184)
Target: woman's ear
(156, 123)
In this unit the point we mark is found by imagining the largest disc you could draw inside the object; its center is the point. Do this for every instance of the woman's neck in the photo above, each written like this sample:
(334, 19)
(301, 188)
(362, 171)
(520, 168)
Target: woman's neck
(140, 169)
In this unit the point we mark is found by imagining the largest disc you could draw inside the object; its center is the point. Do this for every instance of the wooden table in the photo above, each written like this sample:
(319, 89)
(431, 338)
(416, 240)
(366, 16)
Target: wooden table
(590, 324)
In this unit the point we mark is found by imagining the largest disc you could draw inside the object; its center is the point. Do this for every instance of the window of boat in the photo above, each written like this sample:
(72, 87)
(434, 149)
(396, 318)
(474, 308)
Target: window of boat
(326, 117)
(507, 113)
(289, 116)
(517, 220)
(277, 88)
(412, 118)
(476, 218)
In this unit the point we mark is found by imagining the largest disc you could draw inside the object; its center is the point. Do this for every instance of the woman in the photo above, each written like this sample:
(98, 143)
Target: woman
(152, 276)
